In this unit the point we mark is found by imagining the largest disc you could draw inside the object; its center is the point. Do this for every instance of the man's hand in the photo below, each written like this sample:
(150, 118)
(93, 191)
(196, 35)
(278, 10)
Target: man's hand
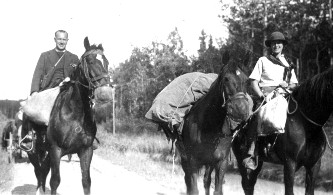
(32, 94)
(283, 85)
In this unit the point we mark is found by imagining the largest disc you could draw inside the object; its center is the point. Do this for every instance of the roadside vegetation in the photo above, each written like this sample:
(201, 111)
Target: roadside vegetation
(138, 146)
(6, 170)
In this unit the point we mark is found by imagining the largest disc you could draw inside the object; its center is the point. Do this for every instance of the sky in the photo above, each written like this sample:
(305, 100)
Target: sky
(27, 30)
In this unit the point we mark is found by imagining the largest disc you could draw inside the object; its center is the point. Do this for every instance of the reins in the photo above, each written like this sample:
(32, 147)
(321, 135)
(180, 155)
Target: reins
(303, 114)
(244, 123)
(311, 121)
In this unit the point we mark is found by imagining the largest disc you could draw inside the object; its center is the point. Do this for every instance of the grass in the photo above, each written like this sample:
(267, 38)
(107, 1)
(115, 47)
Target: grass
(139, 147)
(6, 170)
(146, 153)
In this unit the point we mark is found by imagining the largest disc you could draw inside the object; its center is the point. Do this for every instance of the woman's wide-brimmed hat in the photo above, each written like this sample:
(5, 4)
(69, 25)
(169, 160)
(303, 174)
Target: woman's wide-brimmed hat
(276, 36)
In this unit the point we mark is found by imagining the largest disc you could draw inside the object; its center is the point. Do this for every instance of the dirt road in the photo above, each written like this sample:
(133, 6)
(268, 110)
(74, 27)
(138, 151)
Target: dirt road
(108, 178)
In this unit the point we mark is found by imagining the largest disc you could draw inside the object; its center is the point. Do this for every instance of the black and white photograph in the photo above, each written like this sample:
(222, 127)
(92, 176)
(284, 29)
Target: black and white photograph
(166, 97)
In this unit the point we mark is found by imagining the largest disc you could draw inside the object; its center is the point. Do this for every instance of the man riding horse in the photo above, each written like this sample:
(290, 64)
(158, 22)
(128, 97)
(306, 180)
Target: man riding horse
(52, 68)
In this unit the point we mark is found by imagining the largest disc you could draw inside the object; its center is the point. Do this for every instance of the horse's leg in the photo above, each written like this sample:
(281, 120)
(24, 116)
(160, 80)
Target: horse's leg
(311, 174)
(191, 174)
(220, 169)
(222, 154)
(249, 177)
(45, 169)
(85, 156)
(207, 178)
(33, 158)
(289, 175)
(55, 156)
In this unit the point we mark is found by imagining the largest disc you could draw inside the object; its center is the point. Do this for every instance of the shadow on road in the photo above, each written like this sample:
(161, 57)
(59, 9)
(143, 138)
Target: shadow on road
(22, 160)
(160, 193)
(27, 189)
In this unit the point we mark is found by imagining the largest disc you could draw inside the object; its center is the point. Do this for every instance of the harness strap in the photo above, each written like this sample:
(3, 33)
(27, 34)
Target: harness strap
(100, 77)
(50, 72)
(311, 121)
(327, 140)
(296, 103)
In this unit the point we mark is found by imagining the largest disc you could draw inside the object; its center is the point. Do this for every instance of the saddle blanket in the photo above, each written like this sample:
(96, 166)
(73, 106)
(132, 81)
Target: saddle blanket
(39, 106)
(177, 98)
(272, 116)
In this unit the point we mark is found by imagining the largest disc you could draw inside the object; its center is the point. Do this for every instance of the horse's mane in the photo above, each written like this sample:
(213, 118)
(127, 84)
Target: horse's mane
(316, 89)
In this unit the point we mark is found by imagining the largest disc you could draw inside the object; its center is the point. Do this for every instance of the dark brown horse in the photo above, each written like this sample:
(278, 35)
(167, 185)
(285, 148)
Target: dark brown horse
(72, 127)
(303, 142)
(206, 136)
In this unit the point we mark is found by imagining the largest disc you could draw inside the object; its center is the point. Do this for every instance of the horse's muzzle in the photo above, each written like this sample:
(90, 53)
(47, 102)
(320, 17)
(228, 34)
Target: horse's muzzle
(103, 94)
(239, 107)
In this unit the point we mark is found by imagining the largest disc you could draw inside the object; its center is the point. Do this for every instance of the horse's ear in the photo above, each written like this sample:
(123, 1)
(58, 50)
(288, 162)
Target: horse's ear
(100, 47)
(86, 43)
(225, 58)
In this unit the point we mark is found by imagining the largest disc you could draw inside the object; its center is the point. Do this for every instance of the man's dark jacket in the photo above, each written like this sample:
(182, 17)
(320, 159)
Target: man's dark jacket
(45, 66)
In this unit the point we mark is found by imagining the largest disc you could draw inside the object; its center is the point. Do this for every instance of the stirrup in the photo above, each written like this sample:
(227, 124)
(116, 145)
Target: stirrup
(24, 149)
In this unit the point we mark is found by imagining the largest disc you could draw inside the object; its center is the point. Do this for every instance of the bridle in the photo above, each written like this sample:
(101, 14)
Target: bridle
(237, 96)
(93, 82)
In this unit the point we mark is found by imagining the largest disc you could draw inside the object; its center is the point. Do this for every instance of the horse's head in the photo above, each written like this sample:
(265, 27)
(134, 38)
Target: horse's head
(94, 73)
(233, 89)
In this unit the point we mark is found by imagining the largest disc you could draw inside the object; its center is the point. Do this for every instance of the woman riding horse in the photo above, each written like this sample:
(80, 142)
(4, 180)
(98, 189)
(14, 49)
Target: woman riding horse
(270, 72)
(303, 142)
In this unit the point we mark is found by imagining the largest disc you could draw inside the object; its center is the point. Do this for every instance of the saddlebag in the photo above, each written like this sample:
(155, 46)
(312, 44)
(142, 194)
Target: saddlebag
(272, 116)
(39, 106)
(176, 99)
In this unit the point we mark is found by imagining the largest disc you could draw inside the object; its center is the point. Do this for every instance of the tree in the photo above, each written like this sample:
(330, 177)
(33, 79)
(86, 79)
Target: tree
(209, 59)
(249, 21)
(147, 72)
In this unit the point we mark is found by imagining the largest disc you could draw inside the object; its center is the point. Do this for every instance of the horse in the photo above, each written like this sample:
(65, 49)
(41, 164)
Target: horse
(206, 137)
(303, 142)
(9, 128)
(72, 127)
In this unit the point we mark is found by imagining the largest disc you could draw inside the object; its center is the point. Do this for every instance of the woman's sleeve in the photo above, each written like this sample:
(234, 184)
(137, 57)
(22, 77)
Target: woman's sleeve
(257, 71)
